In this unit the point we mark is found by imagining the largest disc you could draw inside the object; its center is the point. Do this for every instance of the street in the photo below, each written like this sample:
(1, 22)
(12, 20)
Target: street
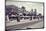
(26, 25)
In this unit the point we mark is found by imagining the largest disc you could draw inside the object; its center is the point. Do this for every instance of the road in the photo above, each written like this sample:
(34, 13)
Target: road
(35, 24)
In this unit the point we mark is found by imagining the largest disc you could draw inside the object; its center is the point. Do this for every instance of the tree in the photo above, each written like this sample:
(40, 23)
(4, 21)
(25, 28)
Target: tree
(23, 9)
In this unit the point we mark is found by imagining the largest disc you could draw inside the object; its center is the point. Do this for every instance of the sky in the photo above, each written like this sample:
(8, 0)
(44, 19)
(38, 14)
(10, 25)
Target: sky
(28, 5)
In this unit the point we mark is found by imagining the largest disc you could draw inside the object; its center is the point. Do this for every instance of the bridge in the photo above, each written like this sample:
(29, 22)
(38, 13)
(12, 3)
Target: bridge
(23, 23)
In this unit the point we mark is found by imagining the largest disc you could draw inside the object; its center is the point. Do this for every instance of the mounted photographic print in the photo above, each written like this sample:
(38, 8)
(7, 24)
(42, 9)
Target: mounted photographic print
(24, 15)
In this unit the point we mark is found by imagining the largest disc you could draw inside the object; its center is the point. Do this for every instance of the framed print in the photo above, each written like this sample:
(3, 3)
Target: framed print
(23, 15)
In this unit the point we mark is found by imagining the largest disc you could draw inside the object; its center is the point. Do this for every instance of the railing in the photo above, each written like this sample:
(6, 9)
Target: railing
(31, 17)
